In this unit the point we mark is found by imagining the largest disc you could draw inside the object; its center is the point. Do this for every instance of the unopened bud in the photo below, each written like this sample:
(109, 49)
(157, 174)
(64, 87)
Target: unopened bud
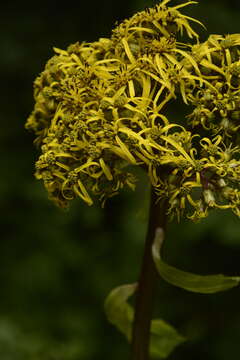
(221, 183)
(209, 197)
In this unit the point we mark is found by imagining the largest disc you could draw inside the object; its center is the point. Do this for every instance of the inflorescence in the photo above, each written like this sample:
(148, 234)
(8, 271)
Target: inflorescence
(101, 107)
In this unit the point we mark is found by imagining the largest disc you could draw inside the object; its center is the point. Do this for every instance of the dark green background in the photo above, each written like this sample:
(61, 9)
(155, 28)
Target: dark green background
(57, 267)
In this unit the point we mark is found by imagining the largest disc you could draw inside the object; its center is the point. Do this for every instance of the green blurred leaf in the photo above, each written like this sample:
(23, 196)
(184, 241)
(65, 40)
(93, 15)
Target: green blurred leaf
(118, 311)
(164, 338)
(204, 284)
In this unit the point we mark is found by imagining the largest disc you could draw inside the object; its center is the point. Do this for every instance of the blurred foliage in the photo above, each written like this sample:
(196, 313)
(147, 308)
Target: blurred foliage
(163, 337)
(57, 267)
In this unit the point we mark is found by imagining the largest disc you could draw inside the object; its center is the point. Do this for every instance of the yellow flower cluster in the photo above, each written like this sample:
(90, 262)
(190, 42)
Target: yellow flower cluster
(101, 107)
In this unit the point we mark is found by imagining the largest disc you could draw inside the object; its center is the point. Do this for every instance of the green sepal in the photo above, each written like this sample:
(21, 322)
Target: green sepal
(163, 338)
(203, 284)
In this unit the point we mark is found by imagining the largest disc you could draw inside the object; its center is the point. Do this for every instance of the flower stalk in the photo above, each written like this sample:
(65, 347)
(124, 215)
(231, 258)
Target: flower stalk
(147, 283)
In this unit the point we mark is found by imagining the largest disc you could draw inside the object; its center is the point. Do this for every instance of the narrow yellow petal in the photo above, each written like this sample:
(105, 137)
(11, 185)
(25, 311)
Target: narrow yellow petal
(161, 28)
(178, 147)
(128, 51)
(63, 166)
(210, 65)
(84, 192)
(125, 150)
(106, 169)
(131, 89)
(190, 59)
(142, 157)
(141, 29)
(60, 51)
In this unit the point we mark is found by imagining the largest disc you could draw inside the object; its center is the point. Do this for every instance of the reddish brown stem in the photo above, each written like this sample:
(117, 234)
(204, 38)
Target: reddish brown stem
(146, 284)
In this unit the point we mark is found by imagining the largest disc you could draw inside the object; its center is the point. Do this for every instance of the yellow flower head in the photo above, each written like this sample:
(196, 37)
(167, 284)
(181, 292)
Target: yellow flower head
(101, 107)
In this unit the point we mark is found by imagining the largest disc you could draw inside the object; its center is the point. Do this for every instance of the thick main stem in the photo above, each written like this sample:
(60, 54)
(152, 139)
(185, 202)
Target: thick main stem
(146, 284)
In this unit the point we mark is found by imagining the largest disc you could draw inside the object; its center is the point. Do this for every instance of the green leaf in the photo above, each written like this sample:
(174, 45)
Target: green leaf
(164, 338)
(204, 284)
(118, 311)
